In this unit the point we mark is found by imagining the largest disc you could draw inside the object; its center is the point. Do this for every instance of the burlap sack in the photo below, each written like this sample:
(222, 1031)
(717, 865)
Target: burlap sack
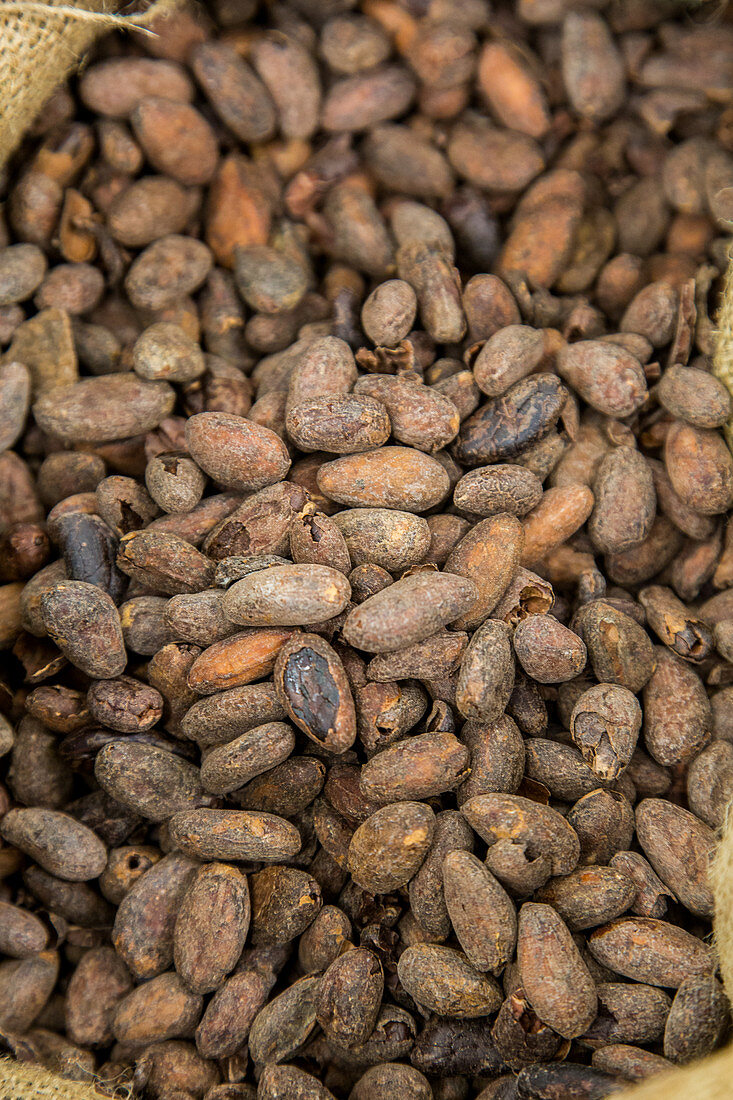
(723, 358)
(40, 45)
(22, 1081)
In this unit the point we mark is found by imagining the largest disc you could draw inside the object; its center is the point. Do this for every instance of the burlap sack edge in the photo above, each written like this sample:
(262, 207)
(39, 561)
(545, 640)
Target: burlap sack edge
(42, 43)
(25, 1081)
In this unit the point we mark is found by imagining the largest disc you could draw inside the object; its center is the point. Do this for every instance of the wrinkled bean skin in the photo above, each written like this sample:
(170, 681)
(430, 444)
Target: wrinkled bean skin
(554, 976)
(230, 766)
(696, 1020)
(677, 714)
(481, 913)
(427, 888)
(223, 716)
(604, 823)
(609, 378)
(500, 488)
(415, 768)
(486, 677)
(625, 501)
(419, 415)
(589, 897)
(506, 357)
(635, 1012)
(497, 757)
(619, 650)
(145, 921)
(657, 822)
(423, 660)
(650, 950)
(708, 783)
(125, 704)
(217, 899)
(390, 477)
(280, 1028)
(651, 895)
(440, 978)
(454, 1050)
(104, 409)
(281, 1082)
(349, 997)
(386, 537)
(488, 555)
(163, 562)
(548, 651)
(284, 903)
(408, 611)
(509, 425)
(229, 1014)
(605, 725)
(218, 834)
(84, 623)
(404, 1080)
(342, 423)
(153, 782)
(496, 816)
(59, 843)
(630, 1062)
(401, 834)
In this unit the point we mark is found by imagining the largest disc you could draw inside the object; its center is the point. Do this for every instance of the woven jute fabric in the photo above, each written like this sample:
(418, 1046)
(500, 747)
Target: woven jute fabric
(41, 44)
(711, 1079)
(23, 1081)
(723, 358)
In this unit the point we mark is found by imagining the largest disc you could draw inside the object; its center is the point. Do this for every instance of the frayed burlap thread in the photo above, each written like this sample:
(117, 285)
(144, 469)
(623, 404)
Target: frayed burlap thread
(41, 44)
(24, 1081)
